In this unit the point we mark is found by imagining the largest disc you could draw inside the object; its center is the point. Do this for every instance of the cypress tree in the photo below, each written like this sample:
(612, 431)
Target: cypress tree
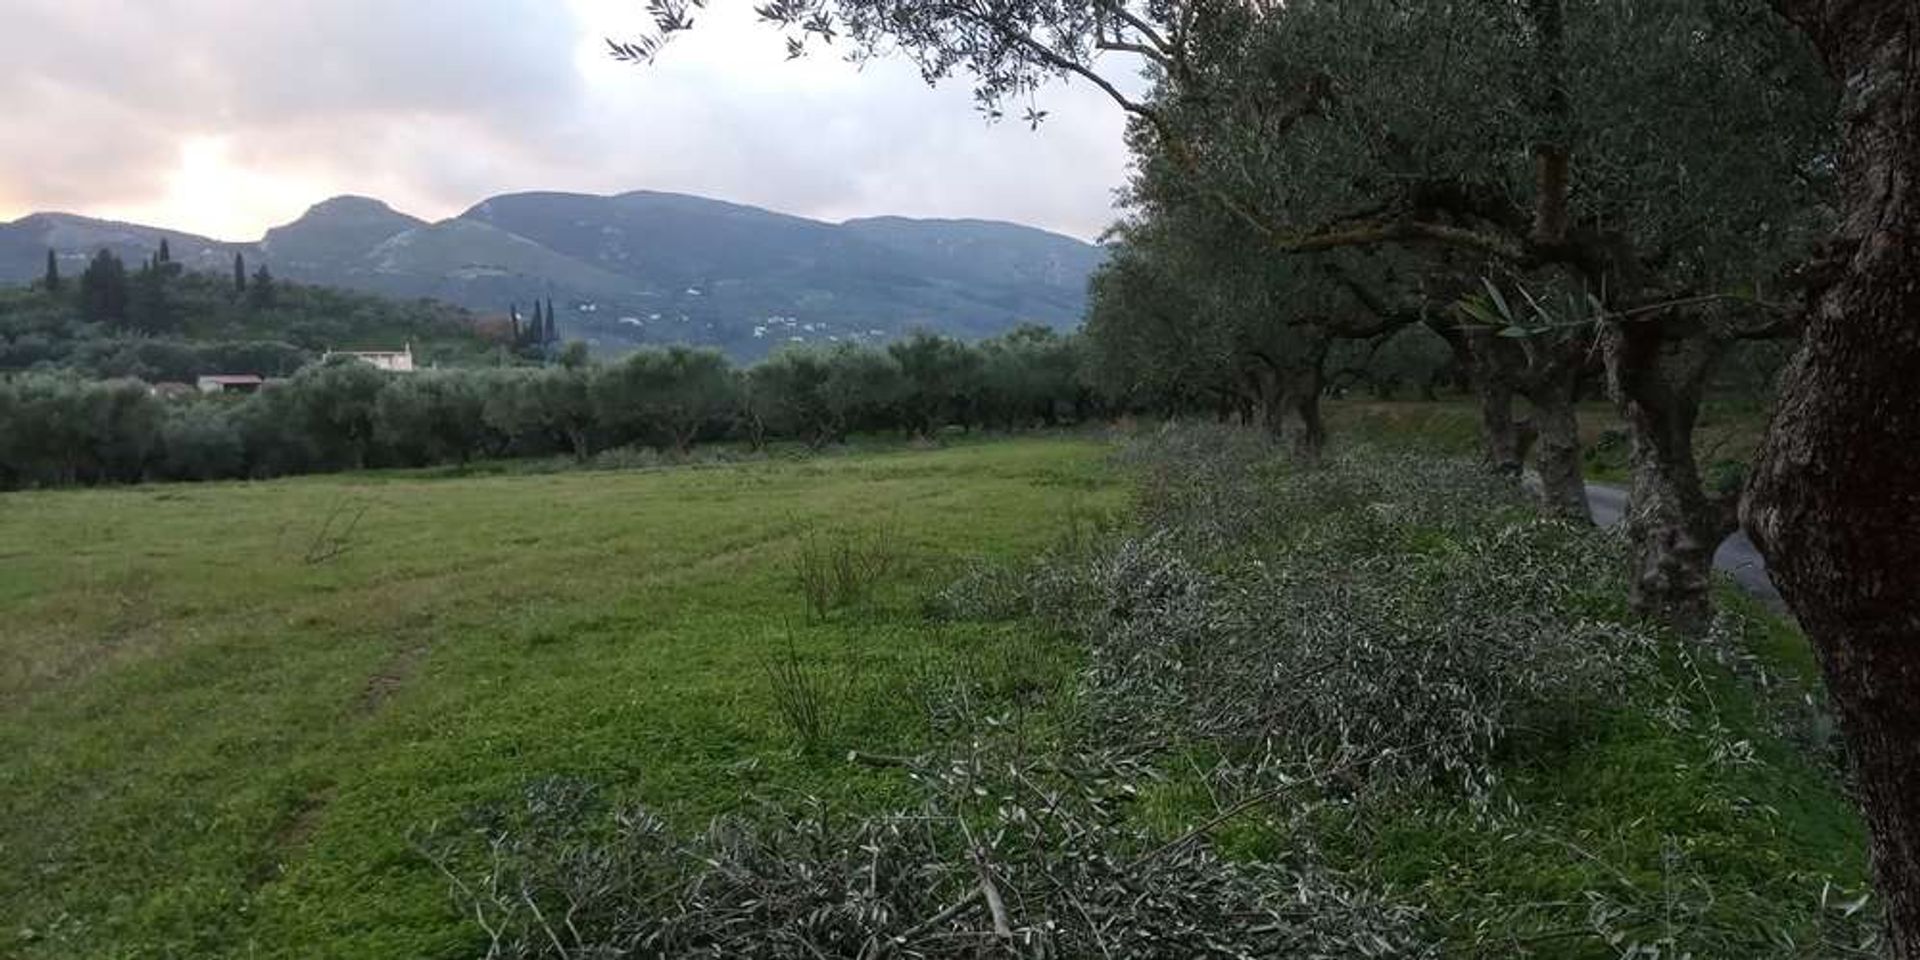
(165, 256)
(148, 308)
(552, 331)
(53, 272)
(261, 293)
(239, 273)
(103, 289)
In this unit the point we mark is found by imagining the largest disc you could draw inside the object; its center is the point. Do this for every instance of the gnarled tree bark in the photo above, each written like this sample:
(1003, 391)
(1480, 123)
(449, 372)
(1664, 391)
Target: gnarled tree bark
(1499, 434)
(1290, 390)
(1267, 383)
(1545, 373)
(1563, 488)
(1657, 379)
(1303, 398)
(1833, 499)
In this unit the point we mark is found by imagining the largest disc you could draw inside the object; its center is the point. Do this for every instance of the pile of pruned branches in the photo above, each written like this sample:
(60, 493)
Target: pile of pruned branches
(1033, 859)
(1359, 615)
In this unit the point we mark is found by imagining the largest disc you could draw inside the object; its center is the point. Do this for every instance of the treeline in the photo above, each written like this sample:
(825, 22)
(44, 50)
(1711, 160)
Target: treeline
(158, 322)
(58, 430)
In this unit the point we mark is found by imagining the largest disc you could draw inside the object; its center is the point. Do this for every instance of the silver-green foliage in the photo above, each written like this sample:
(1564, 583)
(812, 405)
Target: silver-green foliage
(1000, 860)
(1362, 612)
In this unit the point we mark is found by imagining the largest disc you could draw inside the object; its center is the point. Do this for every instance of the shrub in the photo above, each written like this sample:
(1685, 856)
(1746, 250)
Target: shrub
(806, 695)
(343, 414)
(842, 569)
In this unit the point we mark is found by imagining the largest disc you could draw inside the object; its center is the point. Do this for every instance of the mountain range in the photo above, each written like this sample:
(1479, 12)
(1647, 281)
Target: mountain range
(640, 267)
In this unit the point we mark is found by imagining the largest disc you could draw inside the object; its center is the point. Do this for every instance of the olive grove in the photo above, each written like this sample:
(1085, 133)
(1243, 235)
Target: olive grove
(1561, 191)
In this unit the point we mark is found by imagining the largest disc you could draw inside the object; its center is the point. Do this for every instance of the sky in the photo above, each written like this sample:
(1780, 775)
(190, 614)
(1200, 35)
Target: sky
(224, 118)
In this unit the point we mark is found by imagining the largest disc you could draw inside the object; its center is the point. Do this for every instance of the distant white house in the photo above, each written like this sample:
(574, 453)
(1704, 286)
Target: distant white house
(393, 361)
(229, 383)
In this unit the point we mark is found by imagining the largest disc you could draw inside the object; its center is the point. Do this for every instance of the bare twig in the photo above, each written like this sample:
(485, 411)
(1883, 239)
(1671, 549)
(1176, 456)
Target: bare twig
(334, 537)
(881, 759)
(958, 907)
(995, 906)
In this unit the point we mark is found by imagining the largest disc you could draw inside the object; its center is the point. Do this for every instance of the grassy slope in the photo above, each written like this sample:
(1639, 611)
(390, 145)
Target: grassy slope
(215, 748)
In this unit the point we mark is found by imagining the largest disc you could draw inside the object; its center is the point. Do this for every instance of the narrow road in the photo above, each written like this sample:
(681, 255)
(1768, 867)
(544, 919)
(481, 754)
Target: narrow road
(1736, 555)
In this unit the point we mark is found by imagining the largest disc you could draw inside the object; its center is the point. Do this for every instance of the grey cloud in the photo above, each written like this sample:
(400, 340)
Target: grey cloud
(890, 145)
(208, 61)
(434, 104)
(62, 145)
(99, 95)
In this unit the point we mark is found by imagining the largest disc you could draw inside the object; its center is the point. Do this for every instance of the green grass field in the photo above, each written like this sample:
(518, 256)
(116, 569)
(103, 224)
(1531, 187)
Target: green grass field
(232, 716)
(218, 736)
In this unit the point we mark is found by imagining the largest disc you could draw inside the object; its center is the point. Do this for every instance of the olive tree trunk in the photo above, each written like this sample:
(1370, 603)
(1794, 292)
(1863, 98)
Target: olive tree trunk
(1563, 489)
(1499, 433)
(1504, 440)
(1268, 392)
(1311, 439)
(1673, 524)
(1835, 497)
(1303, 398)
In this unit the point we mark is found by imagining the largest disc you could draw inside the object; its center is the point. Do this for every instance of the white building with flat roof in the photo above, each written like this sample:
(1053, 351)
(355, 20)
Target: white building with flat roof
(400, 361)
(229, 383)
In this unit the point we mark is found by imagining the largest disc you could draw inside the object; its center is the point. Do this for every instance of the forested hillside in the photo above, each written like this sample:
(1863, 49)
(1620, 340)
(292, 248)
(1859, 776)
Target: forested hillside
(159, 321)
(642, 267)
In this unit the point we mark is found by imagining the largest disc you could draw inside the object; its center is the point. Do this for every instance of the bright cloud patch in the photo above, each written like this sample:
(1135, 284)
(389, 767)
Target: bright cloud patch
(225, 118)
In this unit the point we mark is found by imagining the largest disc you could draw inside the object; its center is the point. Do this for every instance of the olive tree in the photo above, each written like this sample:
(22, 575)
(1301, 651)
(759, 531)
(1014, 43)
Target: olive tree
(1028, 375)
(940, 378)
(335, 406)
(436, 416)
(1832, 497)
(57, 430)
(543, 410)
(664, 397)
(200, 440)
(864, 390)
(790, 393)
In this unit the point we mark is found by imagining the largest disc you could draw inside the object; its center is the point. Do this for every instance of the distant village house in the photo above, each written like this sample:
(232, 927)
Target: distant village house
(400, 361)
(230, 383)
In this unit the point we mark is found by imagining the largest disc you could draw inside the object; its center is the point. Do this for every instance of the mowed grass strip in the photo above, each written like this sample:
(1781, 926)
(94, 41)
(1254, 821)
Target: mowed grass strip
(225, 710)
